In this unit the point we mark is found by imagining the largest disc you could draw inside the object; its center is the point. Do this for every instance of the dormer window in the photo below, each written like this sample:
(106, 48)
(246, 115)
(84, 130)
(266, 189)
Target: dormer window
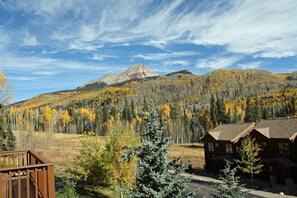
(210, 146)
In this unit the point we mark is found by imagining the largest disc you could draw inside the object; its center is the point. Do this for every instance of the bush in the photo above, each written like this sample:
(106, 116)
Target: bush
(101, 166)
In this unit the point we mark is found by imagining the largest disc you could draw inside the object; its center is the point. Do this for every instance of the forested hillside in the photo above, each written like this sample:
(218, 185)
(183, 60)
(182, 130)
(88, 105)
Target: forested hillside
(191, 104)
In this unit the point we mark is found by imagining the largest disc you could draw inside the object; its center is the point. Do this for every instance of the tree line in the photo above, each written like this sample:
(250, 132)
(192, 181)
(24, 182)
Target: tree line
(186, 123)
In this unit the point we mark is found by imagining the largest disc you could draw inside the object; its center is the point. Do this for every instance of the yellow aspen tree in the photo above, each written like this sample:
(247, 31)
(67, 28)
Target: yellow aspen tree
(65, 118)
(166, 112)
(5, 95)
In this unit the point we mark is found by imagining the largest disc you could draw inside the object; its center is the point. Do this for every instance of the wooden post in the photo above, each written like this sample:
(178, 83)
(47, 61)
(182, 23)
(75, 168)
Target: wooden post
(1, 187)
(51, 181)
(19, 184)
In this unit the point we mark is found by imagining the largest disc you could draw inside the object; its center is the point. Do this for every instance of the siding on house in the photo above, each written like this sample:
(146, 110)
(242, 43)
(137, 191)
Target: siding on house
(277, 140)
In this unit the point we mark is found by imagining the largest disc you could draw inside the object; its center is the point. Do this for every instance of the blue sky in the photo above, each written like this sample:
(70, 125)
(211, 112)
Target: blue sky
(54, 45)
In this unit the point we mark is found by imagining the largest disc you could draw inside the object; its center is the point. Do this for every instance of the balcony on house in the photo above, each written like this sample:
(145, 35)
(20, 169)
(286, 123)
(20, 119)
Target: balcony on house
(26, 174)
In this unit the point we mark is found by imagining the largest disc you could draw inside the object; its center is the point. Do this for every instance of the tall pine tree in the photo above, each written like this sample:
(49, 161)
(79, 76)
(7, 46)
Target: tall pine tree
(213, 112)
(127, 113)
(153, 178)
(257, 111)
(133, 110)
(7, 139)
(248, 111)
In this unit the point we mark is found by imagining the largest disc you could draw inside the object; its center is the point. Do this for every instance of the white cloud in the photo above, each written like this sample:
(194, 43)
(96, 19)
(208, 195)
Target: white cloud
(177, 62)
(262, 28)
(41, 64)
(163, 56)
(30, 40)
(217, 62)
(251, 65)
(22, 78)
(101, 57)
(44, 73)
(4, 39)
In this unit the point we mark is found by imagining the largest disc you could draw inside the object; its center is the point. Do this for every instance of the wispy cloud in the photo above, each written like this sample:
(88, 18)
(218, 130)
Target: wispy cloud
(261, 28)
(101, 57)
(30, 40)
(45, 73)
(23, 78)
(177, 62)
(163, 56)
(4, 39)
(251, 65)
(47, 65)
(217, 62)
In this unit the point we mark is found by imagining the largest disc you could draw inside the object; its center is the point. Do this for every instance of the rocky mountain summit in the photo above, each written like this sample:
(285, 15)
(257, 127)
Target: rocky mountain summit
(138, 71)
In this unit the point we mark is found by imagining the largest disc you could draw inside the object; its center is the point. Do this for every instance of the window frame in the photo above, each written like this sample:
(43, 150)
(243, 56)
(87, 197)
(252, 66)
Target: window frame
(210, 146)
(284, 148)
(229, 148)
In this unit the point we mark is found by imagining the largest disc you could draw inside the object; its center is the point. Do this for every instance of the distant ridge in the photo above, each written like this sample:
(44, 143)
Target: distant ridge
(180, 72)
(138, 71)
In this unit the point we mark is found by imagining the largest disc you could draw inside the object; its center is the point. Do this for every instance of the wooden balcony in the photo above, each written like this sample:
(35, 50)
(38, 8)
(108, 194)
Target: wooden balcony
(26, 174)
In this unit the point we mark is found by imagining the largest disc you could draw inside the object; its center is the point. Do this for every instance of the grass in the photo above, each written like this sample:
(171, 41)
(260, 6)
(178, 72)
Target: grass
(193, 153)
(62, 148)
(57, 147)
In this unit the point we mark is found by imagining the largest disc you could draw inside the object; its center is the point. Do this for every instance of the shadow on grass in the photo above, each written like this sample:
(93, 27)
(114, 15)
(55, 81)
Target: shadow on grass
(92, 191)
(192, 146)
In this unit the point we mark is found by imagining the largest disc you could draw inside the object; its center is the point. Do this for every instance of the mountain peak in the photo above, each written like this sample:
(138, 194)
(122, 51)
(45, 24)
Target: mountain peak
(136, 71)
(138, 67)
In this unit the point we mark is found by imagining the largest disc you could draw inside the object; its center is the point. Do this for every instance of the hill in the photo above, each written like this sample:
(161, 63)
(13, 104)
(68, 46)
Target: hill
(172, 88)
(182, 97)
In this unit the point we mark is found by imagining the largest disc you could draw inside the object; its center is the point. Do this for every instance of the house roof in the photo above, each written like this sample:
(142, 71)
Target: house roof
(280, 128)
(231, 132)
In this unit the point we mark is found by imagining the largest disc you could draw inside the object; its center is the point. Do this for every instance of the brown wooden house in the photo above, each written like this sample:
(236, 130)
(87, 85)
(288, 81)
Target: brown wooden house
(276, 137)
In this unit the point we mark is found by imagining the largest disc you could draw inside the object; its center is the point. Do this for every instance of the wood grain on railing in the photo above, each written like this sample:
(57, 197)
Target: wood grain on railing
(26, 173)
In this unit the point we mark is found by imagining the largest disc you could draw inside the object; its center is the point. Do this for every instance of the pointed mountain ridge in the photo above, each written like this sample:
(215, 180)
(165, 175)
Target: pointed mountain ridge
(136, 71)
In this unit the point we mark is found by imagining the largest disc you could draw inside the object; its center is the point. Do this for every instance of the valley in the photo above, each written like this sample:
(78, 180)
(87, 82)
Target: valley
(62, 149)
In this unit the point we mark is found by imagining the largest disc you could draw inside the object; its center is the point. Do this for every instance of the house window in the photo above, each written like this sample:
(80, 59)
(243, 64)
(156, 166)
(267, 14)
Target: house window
(210, 146)
(229, 148)
(217, 144)
(263, 144)
(284, 148)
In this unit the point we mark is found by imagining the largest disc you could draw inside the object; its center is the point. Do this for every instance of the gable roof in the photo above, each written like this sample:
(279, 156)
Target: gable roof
(231, 132)
(264, 131)
(278, 128)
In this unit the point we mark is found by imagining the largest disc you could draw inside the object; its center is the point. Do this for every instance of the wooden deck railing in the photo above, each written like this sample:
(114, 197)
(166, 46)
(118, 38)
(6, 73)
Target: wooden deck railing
(26, 174)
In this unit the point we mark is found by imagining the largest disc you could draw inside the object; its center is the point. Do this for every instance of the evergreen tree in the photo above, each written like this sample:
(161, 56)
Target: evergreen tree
(145, 106)
(220, 110)
(105, 114)
(7, 139)
(127, 114)
(235, 116)
(153, 178)
(230, 187)
(249, 161)
(10, 139)
(248, 111)
(293, 102)
(113, 111)
(257, 111)
(228, 117)
(213, 112)
(265, 113)
(133, 110)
